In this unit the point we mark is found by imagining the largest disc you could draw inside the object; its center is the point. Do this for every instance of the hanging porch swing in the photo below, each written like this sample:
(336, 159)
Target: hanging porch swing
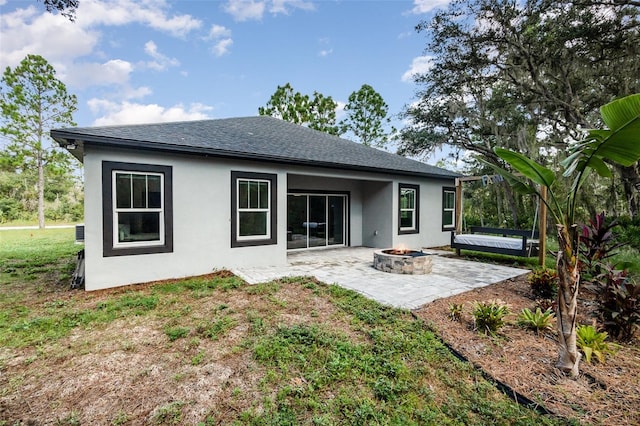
(512, 242)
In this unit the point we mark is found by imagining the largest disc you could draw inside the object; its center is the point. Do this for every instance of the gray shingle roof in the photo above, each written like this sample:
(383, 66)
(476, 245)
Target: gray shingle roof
(260, 138)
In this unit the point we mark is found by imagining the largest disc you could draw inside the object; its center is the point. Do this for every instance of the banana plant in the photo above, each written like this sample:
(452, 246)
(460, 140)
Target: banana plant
(618, 143)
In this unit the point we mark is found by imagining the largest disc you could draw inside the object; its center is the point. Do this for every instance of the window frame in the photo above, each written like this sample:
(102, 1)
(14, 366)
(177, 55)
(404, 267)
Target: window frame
(446, 190)
(270, 238)
(415, 229)
(111, 246)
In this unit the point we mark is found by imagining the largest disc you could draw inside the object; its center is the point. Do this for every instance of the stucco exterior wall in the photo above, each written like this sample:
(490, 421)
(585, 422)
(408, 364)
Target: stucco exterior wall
(202, 215)
(430, 214)
(201, 222)
(378, 212)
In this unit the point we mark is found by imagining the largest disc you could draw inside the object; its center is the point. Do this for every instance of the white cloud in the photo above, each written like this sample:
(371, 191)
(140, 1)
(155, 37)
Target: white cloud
(32, 31)
(29, 31)
(73, 49)
(160, 62)
(222, 39)
(325, 41)
(134, 92)
(82, 75)
(136, 113)
(253, 10)
(222, 47)
(283, 6)
(245, 10)
(421, 7)
(419, 65)
(151, 13)
(219, 31)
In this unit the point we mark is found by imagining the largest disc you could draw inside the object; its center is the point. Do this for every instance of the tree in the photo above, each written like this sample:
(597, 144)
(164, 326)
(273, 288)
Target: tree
(619, 144)
(504, 71)
(32, 101)
(318, 113)
(366, 114)
(67, 8)
(323, 114)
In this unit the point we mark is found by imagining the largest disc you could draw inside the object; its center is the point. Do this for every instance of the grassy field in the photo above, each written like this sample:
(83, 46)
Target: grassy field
(214, 350)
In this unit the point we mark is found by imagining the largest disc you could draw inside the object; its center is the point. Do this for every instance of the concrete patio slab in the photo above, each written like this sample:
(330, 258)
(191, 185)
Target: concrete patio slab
(352, 268)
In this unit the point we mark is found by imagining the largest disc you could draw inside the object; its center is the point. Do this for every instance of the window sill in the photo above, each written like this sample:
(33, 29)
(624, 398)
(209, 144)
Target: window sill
(408, 231)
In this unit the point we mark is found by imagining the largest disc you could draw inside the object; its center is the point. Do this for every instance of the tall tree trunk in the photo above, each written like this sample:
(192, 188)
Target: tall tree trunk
(569, 278)
(631, 186)
(40, 165)
(511, 200)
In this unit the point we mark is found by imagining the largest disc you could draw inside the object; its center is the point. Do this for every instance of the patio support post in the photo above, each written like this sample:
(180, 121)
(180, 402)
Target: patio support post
(542, 230)
(458, 206)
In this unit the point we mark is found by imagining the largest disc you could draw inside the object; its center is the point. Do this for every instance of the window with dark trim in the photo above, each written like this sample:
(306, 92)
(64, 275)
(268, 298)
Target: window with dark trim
(137, 209)
(408, 208)
(253, 209)
(448, 208)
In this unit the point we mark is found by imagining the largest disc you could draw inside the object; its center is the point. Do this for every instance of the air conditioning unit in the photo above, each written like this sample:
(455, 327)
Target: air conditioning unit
(80, 233)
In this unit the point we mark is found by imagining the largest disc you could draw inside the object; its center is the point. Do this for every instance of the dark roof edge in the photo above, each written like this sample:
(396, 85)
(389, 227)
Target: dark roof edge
(59, 135)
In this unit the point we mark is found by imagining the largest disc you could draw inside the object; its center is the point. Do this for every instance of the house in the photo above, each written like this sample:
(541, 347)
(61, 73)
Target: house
(171, 200)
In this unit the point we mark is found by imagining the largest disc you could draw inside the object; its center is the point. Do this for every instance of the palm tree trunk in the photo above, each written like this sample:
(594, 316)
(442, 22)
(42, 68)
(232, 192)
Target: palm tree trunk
(569, 278)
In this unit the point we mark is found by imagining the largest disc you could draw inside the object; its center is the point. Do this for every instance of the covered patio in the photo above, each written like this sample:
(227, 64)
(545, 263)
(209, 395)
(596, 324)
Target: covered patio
(352, 268)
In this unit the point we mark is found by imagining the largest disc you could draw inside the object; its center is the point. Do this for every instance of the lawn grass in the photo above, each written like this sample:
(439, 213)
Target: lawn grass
(27, 253)
(300, 352)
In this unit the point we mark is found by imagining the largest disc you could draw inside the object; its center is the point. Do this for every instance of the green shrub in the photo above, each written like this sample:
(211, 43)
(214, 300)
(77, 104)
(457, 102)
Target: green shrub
(629, 231)
(489, 316)
(455, 311)
(544, 283)
(592, 343)
(536, 321)
(618, 302)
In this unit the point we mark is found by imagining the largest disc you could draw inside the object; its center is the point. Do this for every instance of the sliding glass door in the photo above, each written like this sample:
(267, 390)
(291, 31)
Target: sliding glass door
(316, 220)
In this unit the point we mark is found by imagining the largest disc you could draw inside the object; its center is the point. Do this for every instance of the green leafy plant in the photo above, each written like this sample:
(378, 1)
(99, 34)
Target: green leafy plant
(592, 343)
(619, 143)
(536, 321)
(629, 231)
(543, 283)
(175, 333)
(489, 316)
(618, 302)
(455, 311)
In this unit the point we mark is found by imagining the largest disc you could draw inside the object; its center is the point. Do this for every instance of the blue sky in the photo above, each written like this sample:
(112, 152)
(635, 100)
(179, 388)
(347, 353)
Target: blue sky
(151, 60)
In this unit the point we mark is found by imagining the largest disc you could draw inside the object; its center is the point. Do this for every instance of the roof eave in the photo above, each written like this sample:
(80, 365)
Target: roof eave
(77, 142)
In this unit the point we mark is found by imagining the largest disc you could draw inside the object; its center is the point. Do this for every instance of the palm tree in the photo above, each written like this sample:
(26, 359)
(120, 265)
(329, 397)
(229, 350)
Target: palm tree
(619, 143)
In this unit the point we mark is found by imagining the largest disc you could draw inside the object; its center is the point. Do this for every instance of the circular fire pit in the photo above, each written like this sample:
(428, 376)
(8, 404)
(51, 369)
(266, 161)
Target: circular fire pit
(397, 261)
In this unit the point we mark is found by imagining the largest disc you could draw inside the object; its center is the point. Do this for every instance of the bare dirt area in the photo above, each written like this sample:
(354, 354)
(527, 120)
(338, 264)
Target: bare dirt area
(607, 394)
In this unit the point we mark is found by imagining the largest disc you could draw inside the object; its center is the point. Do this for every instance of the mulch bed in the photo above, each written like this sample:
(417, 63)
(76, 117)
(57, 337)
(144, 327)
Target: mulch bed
(607, 394)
